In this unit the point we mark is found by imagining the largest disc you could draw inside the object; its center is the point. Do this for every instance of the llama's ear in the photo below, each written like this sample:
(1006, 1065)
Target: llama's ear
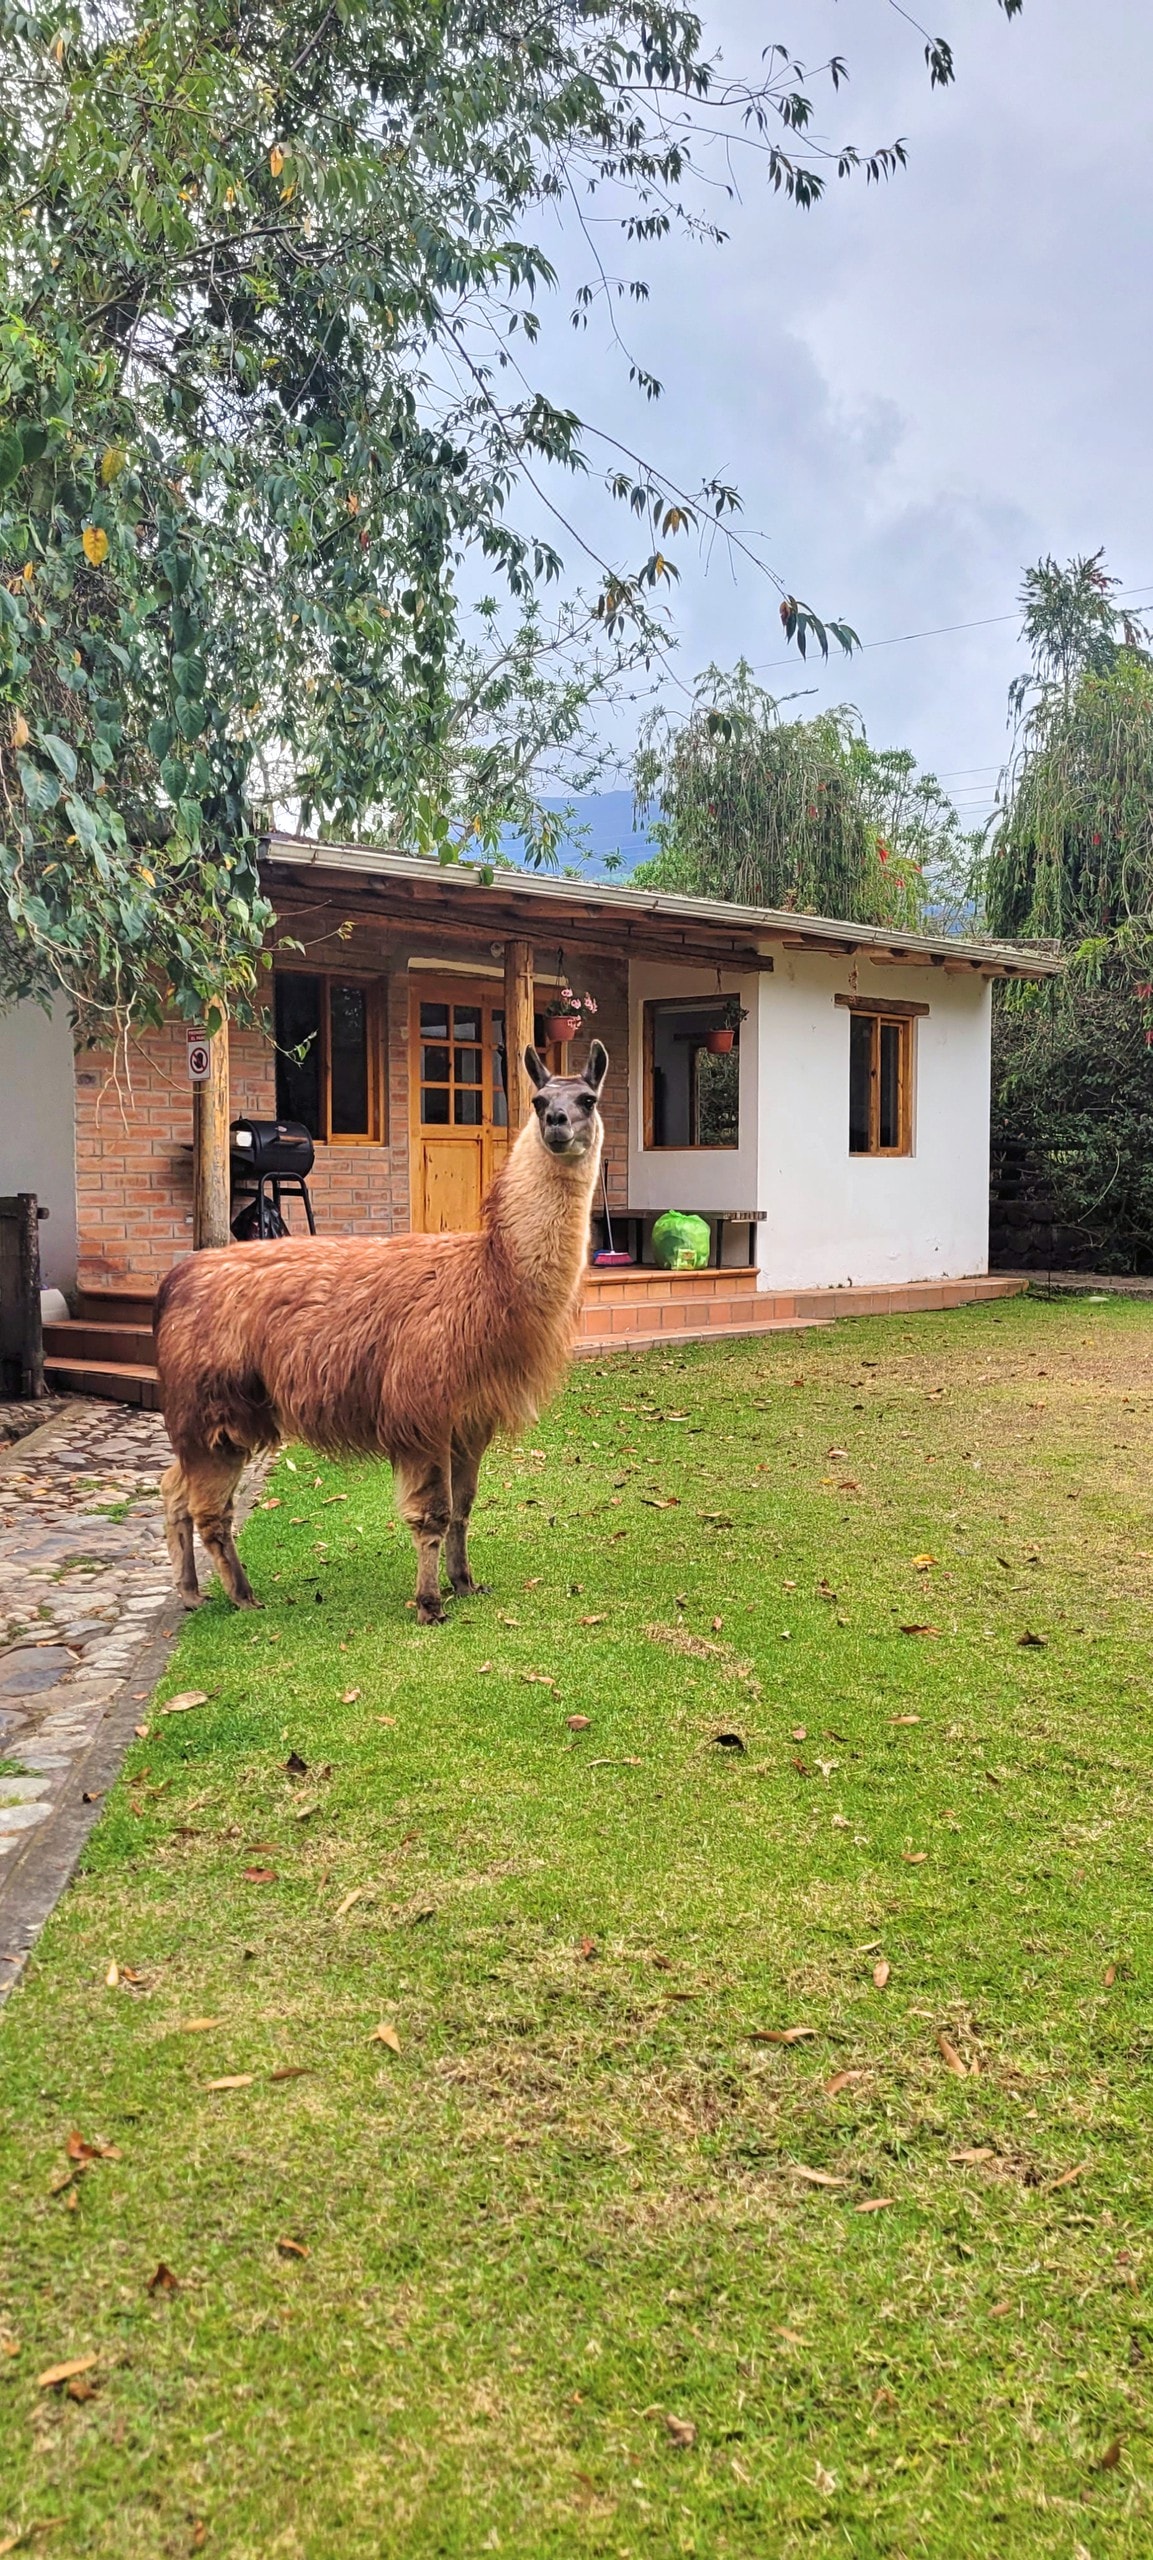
(597, 1066)
(535, 1069)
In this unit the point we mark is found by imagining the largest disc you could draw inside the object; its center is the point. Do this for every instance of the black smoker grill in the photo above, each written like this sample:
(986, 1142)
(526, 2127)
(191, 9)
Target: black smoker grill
(270, 1159)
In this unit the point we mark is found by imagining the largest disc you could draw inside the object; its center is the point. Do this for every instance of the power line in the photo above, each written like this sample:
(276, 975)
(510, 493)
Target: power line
(941, 630)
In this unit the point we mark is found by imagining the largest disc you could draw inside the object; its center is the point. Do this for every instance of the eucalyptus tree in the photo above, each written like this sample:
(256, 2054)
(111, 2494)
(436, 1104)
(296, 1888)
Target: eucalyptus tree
(269, 371)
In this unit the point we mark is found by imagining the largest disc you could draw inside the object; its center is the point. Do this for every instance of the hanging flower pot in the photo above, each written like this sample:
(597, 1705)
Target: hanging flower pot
(719, 1042)
(562, 1026)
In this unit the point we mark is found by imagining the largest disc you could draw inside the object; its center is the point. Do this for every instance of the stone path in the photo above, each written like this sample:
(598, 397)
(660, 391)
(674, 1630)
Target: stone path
(86, 1613)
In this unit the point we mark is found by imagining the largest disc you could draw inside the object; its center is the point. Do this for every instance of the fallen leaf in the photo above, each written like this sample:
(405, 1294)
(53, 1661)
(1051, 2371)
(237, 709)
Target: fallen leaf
(840, 1822)
(272, 1504)
(802, 1768)
(187, 1698)
(840, 2080)
(904, 1719)
(349, 1697)
(914, 1857)
(681, 2430)
(970, 2159)
(825, 2481)
(539, 1679)
(780, 2035)
(874, 2204)
(292, 2248)
(918, 1630)
(1110, 1976)
(260, 1875)
(197, 2026)
(348, 1901)
(55, 2373)
(662, 1501)
(951, 2057)
(596, 1621)
(1068, 2175)
(199, 2534)
(922, 1563)
(815, 2177)
(92, 1795)
(291, 2071)
(578, 1724)
(386, 2033)
(588, 1950)
(163, 2280)
(112, 1977)
(81, 2388)
(799, 1733)
(1111, 2456)
(1030, 1638)
(78, 2149)
(142, 1731)
(997, 2310)
(232, 2080)
(881, 1973)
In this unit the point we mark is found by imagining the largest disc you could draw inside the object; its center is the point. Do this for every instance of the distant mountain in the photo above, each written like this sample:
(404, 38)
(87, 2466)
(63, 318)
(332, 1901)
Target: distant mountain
(601, 824)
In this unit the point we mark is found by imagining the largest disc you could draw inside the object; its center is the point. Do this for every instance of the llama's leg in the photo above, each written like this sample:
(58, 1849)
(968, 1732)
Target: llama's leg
(466, 1458)
(178, 1532)
(424, 1494)
(212, 1480)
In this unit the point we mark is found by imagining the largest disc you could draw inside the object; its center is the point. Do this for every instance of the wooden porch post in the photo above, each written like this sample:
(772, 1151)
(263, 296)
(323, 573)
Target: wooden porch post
(518, 1029)
(210, 1148)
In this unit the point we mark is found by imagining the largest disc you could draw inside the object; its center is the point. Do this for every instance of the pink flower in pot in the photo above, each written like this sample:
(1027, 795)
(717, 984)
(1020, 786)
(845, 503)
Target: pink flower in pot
(569, 1011)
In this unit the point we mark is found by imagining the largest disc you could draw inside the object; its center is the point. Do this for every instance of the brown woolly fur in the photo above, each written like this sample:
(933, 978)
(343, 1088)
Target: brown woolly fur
(415, 1347)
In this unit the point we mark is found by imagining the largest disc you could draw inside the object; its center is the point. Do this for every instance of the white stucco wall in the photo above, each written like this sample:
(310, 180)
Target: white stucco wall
(692, 1177)
(838, 1220)
(834, 1220)
(37, 1128)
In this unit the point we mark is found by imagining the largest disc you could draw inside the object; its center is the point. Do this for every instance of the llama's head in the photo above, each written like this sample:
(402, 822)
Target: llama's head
(566, 1106)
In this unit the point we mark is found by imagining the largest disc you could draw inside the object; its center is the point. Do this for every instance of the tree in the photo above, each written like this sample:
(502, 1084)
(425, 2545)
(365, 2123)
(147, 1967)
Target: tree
(799, 814)
(269, 276)
(1071, 859)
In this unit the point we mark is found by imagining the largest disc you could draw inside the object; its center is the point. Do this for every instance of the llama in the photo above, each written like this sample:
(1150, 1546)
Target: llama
(417, 1348)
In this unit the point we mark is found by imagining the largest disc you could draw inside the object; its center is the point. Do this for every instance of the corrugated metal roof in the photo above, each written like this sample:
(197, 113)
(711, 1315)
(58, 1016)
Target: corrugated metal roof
(628, 901)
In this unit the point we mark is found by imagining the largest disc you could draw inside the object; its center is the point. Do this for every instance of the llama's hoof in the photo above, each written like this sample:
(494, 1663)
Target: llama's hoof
(431, 1613)
(471, 1590)
(193, 1599)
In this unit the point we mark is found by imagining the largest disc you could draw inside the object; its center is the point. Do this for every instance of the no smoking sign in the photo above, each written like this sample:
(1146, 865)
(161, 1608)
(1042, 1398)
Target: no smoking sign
(199, 1055)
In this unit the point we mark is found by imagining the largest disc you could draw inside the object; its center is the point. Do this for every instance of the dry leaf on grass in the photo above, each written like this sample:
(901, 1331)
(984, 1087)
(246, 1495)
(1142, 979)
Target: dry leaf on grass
(348, 1697)
(232, 2080)
(187, 1698)
(1068, 2175)
(918, 1630)
(681, 2430)
(386, 2033)
(815, 2177)
(904, 1719)
(291, 2071)
(798, 1733)
(780, 2035)
(578, 1724)
(163, 2280)
(881, 1973)
(260, 1875)
(1030, 1639)
(914, 1857)
(84, 2152)
(922, 1563)
(951, 2057)
(292, 2248)
(587, 1951)
(57, 2373)
(1110, 1976)
(841, 2080)
(874, 2204)
(197, 2026)
(597, 1620)
(1111, 2456)
(348, 1901)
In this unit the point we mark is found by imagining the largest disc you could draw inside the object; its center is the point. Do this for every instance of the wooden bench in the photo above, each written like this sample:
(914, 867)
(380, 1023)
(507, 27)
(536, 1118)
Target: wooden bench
(634, 1220)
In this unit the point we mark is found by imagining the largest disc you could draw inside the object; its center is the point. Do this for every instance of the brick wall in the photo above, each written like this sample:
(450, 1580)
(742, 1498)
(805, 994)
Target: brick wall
(133, 1143)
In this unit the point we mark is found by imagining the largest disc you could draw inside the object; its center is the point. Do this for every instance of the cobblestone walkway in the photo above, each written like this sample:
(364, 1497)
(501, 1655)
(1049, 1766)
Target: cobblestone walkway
(85, 1592)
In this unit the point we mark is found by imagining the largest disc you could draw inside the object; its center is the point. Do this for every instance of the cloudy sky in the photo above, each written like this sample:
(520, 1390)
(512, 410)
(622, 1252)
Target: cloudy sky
(917, 388)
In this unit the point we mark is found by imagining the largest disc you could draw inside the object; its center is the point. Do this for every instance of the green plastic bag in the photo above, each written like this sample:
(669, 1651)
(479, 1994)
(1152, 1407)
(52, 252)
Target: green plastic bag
(680, 1241)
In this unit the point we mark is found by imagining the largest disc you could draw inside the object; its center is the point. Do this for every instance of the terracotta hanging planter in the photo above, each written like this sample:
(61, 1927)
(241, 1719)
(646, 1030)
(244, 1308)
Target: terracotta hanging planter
(719, 1042)
(562, 1026)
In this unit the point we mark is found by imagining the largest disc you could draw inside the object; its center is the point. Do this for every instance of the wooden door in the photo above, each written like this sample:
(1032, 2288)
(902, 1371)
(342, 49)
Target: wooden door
(459, 1125)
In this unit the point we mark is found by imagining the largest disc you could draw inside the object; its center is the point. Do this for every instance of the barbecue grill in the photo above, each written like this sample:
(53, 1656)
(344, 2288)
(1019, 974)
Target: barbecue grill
(271, 1159)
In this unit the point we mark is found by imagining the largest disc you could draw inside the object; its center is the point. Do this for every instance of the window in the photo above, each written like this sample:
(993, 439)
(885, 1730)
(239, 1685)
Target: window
(692, 1094)
(328, 1055)
(881, 1080)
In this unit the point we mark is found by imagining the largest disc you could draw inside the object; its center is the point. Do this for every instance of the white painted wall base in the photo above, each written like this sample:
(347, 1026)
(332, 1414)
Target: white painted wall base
(38, 1128)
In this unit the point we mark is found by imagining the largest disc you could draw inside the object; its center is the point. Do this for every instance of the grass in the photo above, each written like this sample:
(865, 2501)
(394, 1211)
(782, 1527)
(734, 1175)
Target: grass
(551, 2279)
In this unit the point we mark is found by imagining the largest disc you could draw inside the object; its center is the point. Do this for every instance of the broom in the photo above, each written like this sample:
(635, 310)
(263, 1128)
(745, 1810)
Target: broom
(605, 1260)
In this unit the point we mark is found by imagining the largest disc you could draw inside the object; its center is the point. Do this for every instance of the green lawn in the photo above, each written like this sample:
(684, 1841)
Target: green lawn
(592, 2264)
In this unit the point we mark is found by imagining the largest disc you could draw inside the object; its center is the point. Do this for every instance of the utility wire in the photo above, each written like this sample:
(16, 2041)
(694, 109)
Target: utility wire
(941, 630)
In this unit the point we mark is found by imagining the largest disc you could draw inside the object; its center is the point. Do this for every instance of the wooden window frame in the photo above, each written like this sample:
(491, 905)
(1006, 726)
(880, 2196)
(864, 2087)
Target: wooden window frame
(652, 1005)
(376, 1134)
(899, 1017)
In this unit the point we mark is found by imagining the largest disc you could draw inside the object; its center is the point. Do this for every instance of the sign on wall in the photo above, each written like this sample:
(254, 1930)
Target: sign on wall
(198, 1054)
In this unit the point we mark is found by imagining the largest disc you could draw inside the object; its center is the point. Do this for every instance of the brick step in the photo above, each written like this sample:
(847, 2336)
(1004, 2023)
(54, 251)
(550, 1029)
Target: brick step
(643, 1280)
(122, 1381)
(115, 1306)
(86, 1339)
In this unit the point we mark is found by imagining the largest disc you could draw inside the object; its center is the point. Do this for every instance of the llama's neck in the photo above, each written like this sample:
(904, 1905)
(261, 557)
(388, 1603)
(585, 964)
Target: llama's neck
(538, 1215)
